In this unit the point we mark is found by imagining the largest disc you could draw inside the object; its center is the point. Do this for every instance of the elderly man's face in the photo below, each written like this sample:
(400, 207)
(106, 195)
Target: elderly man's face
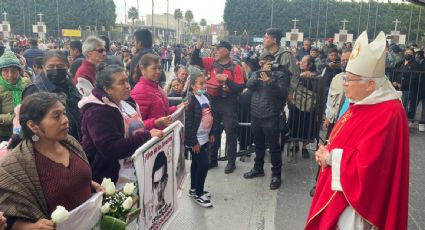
(357, 88)
(97, 55)
(221, 53)
(307, 45)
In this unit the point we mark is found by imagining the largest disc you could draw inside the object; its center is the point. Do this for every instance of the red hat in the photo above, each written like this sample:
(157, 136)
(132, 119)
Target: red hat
(330, 40)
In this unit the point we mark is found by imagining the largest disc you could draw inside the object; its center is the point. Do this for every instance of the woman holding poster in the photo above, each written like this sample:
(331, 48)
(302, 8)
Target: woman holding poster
(149, 95)
(112, 126)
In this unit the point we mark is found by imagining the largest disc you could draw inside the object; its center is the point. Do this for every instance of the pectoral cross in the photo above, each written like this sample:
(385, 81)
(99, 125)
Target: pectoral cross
(295, 20)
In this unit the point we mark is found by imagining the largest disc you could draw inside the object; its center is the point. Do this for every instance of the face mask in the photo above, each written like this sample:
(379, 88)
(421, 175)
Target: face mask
(201, 91)
(408, 57)
(57, 76)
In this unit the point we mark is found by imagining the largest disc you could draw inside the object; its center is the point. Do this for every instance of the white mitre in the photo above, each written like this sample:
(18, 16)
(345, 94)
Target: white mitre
(368, 60)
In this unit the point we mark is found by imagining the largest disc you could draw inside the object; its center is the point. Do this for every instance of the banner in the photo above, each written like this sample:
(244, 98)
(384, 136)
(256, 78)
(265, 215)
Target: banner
(156, 175)
(71, 33)
(179, 115)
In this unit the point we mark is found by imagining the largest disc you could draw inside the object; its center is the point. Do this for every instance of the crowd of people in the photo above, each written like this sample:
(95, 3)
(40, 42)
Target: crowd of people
(81, 110)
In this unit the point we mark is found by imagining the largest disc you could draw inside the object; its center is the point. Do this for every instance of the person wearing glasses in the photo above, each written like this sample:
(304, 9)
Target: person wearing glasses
(364, 177)
(54, 79)
(95, 53)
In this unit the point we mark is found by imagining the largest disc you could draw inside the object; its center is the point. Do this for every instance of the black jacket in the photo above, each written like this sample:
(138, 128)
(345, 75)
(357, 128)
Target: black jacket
(409, 80)
(193, 117)
(267, 99)
(43, 84)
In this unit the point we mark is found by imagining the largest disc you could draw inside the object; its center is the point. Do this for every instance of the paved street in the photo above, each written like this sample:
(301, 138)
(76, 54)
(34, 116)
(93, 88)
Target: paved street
(249, 204)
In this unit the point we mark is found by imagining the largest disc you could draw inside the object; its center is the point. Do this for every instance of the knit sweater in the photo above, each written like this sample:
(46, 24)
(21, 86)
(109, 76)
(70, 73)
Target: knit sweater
(66, 186)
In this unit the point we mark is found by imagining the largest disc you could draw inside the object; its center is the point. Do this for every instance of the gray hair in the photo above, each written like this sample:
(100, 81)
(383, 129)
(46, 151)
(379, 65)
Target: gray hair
(91, 43)
(105, 75)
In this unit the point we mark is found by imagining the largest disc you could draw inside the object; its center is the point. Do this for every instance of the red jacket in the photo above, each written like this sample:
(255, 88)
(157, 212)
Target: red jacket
(153, 102)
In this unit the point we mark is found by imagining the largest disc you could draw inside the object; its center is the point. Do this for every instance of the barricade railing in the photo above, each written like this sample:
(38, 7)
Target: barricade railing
(411, 84)
(306, 108)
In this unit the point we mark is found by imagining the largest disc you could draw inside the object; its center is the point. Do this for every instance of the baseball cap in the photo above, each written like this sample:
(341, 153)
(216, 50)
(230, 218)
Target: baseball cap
(224, 44)
(266, 54)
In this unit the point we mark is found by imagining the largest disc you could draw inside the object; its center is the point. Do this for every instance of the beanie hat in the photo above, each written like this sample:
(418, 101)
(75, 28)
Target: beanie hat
(9, 59)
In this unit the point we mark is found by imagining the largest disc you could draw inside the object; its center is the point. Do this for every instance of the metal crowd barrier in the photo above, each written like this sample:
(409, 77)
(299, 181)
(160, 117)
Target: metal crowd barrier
(306, 110)
(411, 84)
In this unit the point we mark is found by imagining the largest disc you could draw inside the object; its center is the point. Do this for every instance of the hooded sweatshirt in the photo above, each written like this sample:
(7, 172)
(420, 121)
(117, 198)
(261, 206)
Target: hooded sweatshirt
(104, 135)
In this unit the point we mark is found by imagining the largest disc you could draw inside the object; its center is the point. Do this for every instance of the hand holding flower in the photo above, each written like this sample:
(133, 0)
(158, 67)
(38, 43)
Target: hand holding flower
(59, 215)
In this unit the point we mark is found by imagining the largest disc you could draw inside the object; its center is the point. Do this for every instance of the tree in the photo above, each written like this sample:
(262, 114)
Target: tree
(188, 15)
(178, 15)
(133, 15)
(203, 23)
(236, 18)
(22, 16)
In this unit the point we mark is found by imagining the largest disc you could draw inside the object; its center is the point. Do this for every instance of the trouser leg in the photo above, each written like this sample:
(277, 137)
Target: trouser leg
(193, 170)
(230, 122)
(202, 169)
(260, 145)
(214, 147)
(272, 139)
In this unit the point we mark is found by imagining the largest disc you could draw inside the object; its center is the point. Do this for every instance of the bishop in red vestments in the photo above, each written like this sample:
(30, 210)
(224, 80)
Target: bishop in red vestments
(364, 181)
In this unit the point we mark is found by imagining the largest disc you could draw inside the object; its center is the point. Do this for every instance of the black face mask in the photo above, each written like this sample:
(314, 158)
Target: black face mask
(57, 76)
(408, 57)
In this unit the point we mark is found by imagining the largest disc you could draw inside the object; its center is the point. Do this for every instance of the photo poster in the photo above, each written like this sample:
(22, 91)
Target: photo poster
(156, 175)
(180, 163)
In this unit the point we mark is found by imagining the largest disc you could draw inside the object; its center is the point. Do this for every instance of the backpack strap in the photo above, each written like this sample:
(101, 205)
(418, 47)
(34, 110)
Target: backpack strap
(220, 68)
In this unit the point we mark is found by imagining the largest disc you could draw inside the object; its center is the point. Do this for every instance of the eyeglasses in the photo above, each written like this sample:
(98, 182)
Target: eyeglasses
(101, 50)
(347, 80)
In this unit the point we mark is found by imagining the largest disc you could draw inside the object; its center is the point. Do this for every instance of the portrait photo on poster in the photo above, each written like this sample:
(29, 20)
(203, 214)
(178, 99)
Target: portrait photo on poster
(159, 188)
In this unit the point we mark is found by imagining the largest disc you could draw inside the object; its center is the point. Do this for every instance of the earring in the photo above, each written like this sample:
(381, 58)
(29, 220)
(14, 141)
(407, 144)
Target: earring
(35, 138)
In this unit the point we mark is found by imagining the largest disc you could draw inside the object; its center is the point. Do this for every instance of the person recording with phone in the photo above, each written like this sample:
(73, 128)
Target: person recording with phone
(269, 88)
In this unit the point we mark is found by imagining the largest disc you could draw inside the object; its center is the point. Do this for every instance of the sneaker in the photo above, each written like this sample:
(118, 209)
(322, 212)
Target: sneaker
(229, 168)
(421, 127)
(203, 201)
(192, 193)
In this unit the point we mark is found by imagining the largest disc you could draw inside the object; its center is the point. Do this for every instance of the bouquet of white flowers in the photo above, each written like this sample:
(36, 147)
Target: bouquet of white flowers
(117, 207)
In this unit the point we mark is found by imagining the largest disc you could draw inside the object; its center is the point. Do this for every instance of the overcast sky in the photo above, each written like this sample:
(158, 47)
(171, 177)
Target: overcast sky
(211, 10)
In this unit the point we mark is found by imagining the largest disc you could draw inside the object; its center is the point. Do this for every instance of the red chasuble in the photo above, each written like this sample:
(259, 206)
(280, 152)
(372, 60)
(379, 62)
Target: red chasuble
(374, 169)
